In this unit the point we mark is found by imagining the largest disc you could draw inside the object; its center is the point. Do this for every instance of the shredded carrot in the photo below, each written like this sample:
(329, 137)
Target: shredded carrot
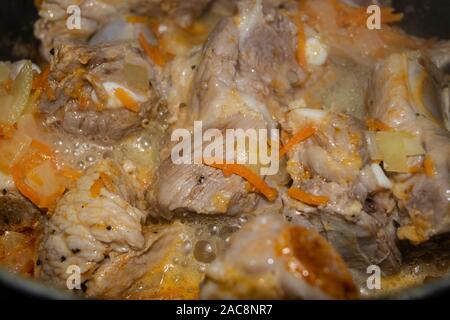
(307, 198)
(107, 182)
(21, 170)
(154, 26)
(244, 172)
(429, 166)
(19, 181)
(376, 125)
(348, 16)
(45, 150)
(152, 52)
(83, 100)
(301, 44)
(96, 187)
(127, 100)
(19, 174)
(300, 136)
(41, 83)
(388, 16)
(353, 17)
(70, 173)
(415, 169)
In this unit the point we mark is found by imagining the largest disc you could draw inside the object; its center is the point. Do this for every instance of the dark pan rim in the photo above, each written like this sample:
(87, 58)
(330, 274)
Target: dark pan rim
(34, 289)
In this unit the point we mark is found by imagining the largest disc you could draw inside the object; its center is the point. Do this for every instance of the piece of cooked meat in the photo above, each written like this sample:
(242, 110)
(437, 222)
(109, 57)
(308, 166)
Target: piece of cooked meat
(199, 188)
(16, 212)
(246, 70)
(82, 95)
(51, 27)
(406, 99)
(439, 69)
(121, 270)
(97, 226)
(271, 259)
(248, 63)
(358, 216)
(20, 225)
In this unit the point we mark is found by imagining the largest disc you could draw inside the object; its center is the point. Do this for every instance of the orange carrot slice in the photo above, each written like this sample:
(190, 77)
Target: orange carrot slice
(301, 44)
(300, 136)
(152, 52)
(376, 125)
(127, 100)
(24, 166)
(429, 166)
(388, 16)
(244, 172)
(302, 196)
(96, 187)
(107, 182)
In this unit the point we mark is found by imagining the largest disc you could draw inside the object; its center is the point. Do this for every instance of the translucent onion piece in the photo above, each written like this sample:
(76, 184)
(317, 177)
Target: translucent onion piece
(136, 76)
(20, 91)
(44, 180)
(392, 147)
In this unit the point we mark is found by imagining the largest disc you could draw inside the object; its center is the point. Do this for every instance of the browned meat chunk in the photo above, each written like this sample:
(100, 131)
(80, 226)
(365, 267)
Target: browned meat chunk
(16, 212)
(358, 214)
(406, 99)
(102, 92)
(271, 259)
(247, 68)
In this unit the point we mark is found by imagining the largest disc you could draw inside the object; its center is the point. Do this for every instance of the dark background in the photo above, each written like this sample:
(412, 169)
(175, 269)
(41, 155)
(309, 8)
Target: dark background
(425, 18)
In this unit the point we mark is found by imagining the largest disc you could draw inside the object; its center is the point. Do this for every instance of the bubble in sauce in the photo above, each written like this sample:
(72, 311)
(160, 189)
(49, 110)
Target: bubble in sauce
(214, 230)
(227, 231)
(81, 165)
(145, 123)
(204, 251)
(187, 246)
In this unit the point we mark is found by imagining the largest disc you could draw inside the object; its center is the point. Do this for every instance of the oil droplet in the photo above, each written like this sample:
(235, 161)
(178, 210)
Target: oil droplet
(81, 165)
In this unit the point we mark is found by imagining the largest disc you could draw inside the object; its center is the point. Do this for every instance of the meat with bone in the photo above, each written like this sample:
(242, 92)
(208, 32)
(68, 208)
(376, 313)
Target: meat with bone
(357, 216)
(52, 27)
(271, 259)
(84, 82)
(97, 226)
(406, 99)
(246, 69)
